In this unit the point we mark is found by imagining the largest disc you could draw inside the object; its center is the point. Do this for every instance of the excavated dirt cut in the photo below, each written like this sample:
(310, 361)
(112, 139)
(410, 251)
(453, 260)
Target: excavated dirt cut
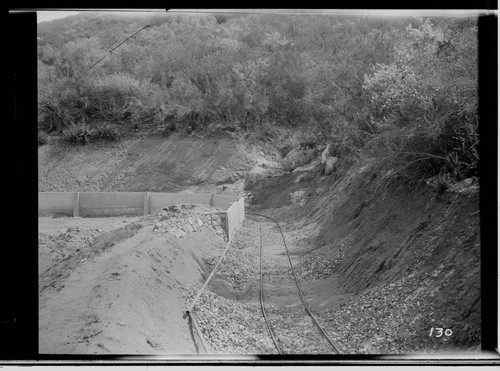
(382, 261)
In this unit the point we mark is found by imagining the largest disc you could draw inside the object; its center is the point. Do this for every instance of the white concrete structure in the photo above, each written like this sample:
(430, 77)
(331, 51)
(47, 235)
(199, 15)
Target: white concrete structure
(136, 203)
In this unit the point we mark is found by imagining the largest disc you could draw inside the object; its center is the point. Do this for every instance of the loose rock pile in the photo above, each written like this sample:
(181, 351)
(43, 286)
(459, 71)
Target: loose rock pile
(181, 220)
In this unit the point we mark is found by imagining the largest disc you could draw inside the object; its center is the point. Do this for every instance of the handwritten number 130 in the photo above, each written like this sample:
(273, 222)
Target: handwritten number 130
(440, 331)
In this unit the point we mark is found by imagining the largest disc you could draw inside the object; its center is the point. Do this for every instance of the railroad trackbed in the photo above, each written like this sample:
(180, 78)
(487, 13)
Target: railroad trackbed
(254, 303)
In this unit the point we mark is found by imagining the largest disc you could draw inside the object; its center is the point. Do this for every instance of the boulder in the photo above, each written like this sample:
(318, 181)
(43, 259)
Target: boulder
(325, 155)
(298, 157)
(173, 208)
(330, 165)
(284, 149)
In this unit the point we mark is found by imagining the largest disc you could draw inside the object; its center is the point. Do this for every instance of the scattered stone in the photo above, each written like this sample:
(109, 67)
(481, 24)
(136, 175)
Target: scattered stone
(179, 234)
(179, 220)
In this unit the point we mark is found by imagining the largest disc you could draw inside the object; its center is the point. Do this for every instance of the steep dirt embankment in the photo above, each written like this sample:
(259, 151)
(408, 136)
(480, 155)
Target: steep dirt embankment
(404, 257)
(148, 162)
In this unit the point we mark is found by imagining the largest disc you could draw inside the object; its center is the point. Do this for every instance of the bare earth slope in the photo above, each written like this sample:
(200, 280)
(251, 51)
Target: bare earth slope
(123, 293)
(399, 259)
(147, 163)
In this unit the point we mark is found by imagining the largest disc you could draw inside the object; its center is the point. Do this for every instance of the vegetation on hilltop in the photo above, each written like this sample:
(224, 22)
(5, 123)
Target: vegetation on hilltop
(402, 90)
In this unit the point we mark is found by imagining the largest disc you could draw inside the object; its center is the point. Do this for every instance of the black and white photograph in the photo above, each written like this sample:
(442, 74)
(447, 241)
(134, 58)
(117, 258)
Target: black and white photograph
(259, 184)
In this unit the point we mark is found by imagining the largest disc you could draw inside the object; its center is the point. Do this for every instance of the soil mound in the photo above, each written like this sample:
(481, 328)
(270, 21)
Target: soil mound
(125, 291)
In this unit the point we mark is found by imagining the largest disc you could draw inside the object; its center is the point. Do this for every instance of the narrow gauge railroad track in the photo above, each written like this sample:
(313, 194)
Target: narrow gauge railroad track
(286, 326)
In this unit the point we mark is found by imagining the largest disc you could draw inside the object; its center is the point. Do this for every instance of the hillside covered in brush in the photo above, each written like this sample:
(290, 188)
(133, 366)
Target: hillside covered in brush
(403, 90)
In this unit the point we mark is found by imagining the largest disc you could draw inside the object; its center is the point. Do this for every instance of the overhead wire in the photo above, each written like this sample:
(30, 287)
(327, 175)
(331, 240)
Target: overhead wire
(117, 46)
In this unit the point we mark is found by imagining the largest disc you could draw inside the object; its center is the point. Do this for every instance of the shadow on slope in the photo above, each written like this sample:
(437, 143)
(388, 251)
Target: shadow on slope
(405, 257)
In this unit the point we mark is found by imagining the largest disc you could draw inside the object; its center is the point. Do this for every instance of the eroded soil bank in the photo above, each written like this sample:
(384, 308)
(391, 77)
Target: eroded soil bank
(404, 258)
(382, 261)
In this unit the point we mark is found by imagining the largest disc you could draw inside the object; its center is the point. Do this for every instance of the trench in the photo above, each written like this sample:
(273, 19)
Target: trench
(237, 279)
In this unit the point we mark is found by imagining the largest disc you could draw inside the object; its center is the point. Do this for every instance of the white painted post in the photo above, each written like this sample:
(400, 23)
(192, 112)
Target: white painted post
(146, 203)
(237, 216)
(76, 205)
(242, 205)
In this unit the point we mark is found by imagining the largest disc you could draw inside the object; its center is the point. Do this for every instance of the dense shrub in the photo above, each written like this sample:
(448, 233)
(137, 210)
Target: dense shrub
(118, 99)
(83, 134)
(105, 132)
(78, 134)
(424, 104)
(402, 90)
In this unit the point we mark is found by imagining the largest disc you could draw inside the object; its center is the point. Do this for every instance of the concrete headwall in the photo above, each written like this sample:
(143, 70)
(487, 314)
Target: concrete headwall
(235, 216)
(136, 203)
(56, 203)
(111, 203)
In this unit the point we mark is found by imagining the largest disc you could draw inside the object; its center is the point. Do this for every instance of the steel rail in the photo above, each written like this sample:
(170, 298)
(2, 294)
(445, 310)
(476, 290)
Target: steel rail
(301, 294)
(262, 306)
